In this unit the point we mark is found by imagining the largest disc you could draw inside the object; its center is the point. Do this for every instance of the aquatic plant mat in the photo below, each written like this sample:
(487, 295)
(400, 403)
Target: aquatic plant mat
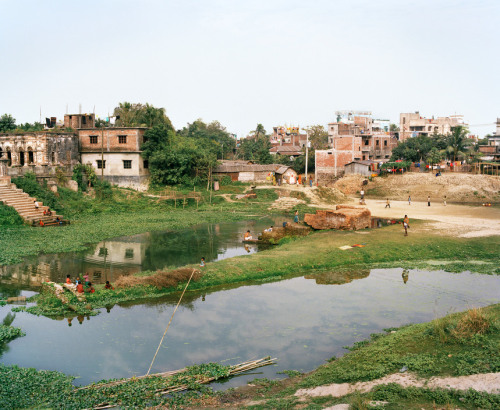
(159, 389)
(160, 384)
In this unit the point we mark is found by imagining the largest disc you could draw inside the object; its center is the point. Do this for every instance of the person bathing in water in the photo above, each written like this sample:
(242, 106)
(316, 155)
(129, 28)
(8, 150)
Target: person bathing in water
(247, 236)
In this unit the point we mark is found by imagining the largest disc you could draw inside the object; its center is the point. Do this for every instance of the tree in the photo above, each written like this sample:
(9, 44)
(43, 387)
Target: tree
(213, 136)
(157, 138)
(434, 156)
(318, 136)
(7, 123)
(256, 149)
(139, 115)
(258, 131)
(413, 149)
(457, 142)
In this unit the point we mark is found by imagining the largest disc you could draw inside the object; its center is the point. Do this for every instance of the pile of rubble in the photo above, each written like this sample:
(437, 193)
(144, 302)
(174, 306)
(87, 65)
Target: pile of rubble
(345, 217)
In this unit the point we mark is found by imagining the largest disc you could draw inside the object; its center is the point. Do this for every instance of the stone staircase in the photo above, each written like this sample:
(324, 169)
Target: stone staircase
(25, 205)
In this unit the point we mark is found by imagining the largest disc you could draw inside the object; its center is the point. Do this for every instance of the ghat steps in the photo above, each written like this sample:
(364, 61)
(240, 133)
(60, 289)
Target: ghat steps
(24, 204)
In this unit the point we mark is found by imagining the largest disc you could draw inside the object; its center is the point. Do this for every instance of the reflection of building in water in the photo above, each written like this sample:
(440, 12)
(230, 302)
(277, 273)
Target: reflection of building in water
(338, 277)
(119, 257)
(107, 261)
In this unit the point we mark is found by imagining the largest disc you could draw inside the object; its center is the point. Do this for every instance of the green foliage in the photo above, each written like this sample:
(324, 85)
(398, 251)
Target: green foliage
(413, 149)
(29, 184)
(8, 333)
(9, 216)
(395, 393)
(318, 136)
(31, 388)
(140, 115)
(434, 156)
(396, 165)
(84, 174)
(7, 123)
(457, 142)
(256, 149)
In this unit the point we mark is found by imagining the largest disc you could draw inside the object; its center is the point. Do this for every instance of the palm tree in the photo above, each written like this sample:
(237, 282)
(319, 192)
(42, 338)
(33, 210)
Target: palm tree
(457, 142)
(259, 130)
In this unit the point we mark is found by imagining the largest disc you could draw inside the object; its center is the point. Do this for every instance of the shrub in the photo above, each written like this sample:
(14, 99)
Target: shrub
(29, 184)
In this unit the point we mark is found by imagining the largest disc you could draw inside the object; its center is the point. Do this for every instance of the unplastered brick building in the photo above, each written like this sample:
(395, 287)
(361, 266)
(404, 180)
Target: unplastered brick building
(353, 138)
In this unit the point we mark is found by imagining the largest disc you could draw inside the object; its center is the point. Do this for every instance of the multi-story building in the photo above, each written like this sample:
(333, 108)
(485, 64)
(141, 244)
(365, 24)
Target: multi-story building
(115, 154)
(354, 137)
(287, 136)
(491, 152)
(413, 124)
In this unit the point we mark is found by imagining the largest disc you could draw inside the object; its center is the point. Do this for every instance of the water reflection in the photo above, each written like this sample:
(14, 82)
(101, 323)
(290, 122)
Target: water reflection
(339, 277)
(113, 258)
(246, 322)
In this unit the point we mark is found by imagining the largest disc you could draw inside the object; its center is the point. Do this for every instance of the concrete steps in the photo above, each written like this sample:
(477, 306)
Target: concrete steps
(25, 205)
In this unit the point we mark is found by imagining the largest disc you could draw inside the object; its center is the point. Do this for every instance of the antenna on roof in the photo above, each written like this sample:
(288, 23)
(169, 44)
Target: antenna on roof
(66, 108)
(80, 108)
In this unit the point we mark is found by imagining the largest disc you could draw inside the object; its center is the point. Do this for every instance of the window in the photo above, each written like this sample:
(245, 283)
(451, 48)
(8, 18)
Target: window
(367, 142)
(93, 139)
(129, 254)
(377, 142)
(84, 120)
(146, 164)
(101, 164)
(103, 251)
(385, 143)
(122, 139)
(127, 164)
(52, 157)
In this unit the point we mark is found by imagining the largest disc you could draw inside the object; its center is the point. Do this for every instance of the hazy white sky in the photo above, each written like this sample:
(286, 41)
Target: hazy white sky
(244, 62)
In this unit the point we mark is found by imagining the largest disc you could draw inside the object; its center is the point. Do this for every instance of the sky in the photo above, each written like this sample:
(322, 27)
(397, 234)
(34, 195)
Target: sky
(244, 62)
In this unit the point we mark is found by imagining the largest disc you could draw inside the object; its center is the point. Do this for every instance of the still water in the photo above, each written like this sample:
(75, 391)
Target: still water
(112, 258)
(302, 321)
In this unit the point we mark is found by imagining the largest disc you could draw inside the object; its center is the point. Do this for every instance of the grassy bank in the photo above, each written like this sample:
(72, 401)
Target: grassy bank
(458, 344)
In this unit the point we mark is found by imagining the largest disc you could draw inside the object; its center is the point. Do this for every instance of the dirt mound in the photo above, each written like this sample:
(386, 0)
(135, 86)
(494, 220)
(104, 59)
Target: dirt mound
(161, 279)
(350, 184)
(457, 187)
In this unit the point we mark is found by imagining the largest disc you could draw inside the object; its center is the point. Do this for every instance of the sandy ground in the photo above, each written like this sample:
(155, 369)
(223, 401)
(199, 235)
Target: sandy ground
(465, 220)
(488, 382)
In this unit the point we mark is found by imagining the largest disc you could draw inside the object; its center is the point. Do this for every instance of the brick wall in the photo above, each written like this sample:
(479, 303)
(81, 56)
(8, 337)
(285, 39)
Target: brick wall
(134, 138)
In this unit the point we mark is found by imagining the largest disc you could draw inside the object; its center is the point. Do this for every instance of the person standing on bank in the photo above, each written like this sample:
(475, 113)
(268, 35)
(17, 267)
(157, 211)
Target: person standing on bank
(406, 224)
(409, 200)
(296, 217)
(428, 200)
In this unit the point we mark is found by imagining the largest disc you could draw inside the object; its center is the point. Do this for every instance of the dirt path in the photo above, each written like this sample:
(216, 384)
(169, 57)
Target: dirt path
(488, 382)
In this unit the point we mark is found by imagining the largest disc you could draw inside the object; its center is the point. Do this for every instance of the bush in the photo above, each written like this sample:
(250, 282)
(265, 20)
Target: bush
(9, 216)
(29, 184)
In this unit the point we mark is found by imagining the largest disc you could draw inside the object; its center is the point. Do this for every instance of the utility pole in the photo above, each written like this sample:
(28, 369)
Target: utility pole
(307, 151)
(102, 153)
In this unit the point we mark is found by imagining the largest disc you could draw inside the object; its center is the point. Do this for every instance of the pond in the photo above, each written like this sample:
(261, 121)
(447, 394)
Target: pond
(112, 258)
(302, 321)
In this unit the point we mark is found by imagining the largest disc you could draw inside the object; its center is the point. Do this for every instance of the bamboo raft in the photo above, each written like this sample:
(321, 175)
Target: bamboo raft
(233, 371)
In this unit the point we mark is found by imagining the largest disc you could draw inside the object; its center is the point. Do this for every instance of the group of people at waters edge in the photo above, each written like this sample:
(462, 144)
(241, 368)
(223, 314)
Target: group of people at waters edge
(88, 288)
